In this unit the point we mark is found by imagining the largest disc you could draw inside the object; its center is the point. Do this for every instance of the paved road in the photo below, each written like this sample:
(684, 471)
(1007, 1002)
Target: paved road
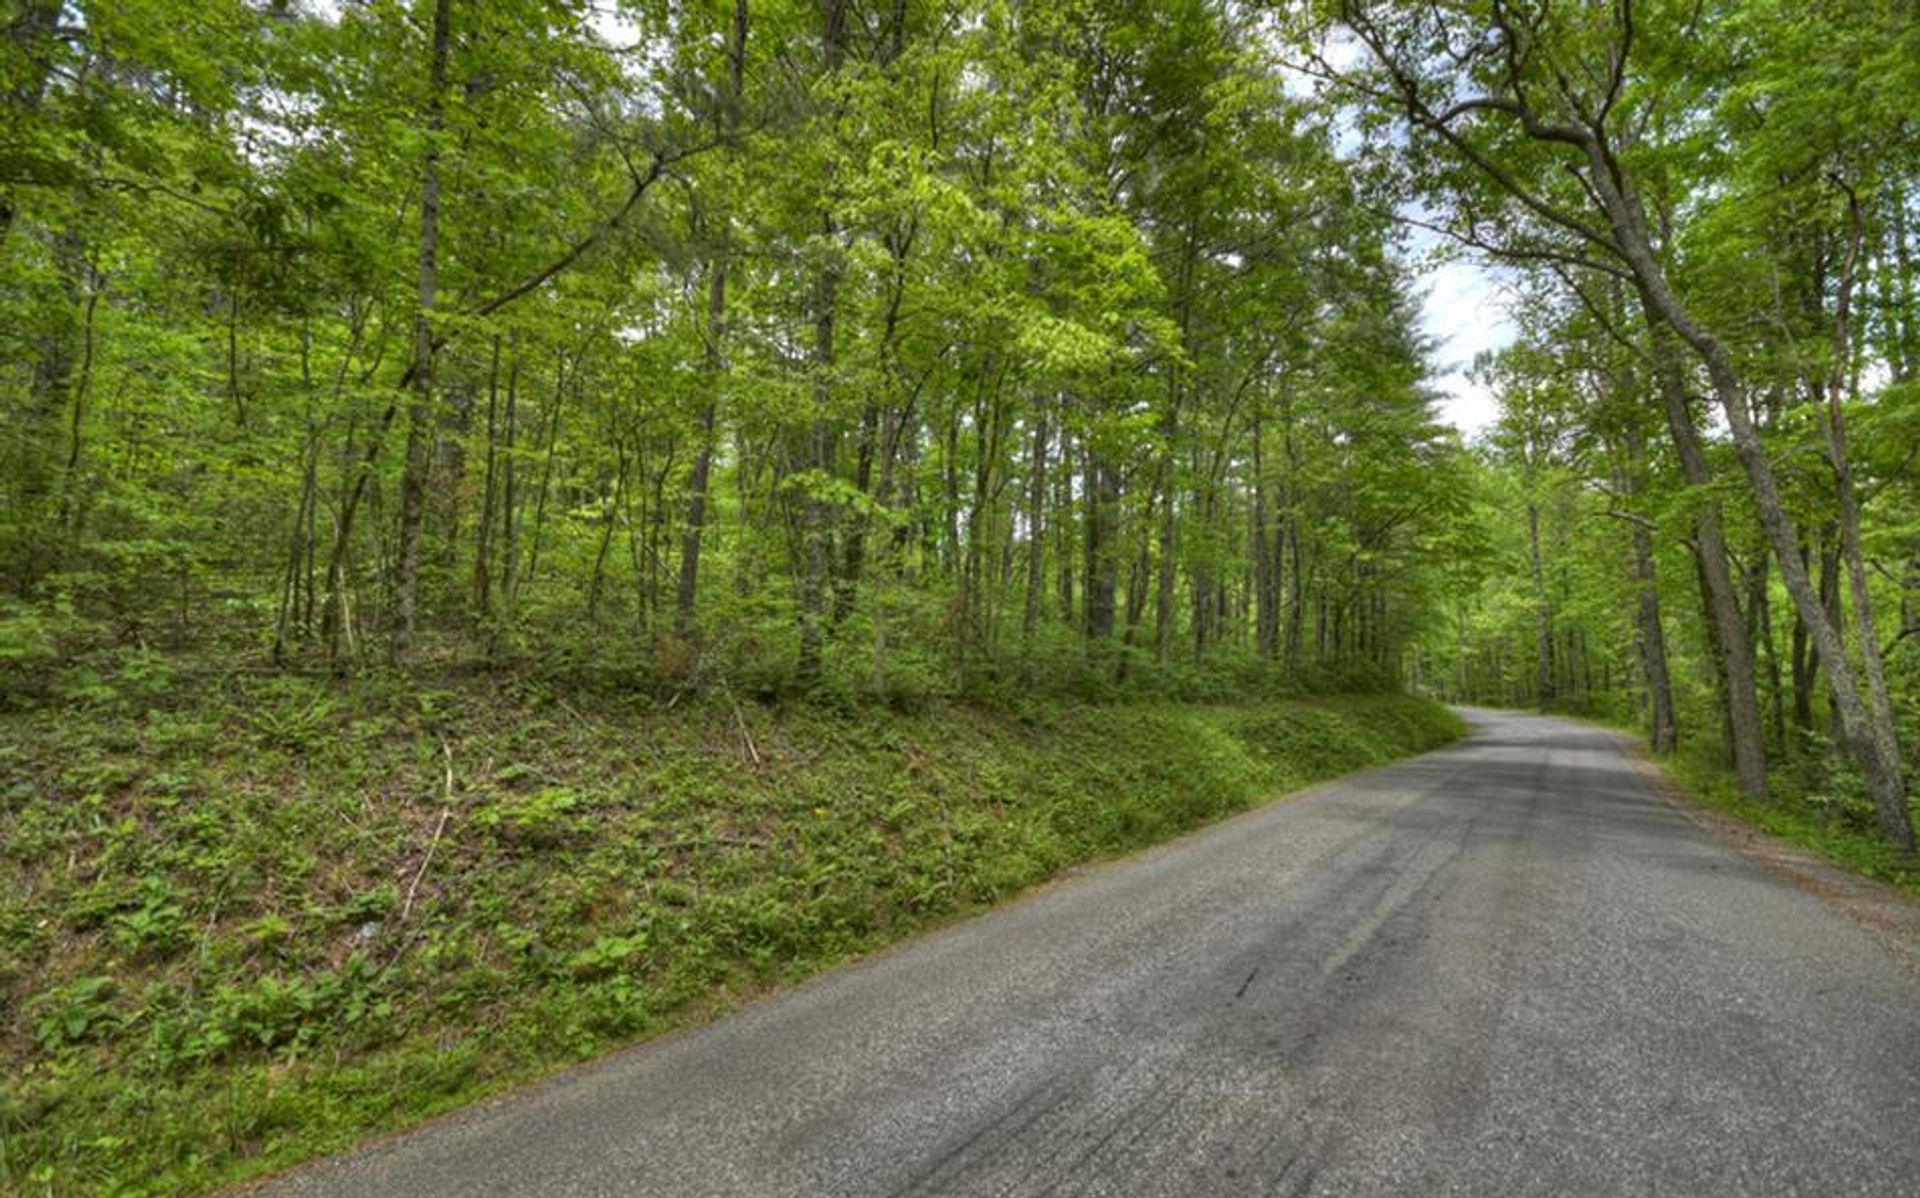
(1506, 968)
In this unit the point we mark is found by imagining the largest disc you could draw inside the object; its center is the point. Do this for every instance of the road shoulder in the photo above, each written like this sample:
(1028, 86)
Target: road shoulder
(1890, 915)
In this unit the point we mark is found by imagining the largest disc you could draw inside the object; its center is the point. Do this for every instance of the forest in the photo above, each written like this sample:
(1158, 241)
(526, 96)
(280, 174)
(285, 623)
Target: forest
(918, 346)
(452, 402)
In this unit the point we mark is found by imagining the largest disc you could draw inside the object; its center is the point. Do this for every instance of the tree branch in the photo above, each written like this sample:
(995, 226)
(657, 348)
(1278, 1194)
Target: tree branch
(642, 182)
(1407, 92)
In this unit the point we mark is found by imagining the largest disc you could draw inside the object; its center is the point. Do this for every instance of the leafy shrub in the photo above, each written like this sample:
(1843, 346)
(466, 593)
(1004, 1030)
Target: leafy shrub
(542, 819)
(75, 1013)
(155, 926)
(275, 1012)
(609, 954)
(291, 713)
(36, 639)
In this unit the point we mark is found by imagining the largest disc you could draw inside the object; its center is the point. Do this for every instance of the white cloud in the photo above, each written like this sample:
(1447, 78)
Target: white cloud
(1465, 314)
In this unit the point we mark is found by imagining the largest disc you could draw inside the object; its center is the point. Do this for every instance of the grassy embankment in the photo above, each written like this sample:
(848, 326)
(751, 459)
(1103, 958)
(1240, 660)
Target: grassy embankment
(245, 920)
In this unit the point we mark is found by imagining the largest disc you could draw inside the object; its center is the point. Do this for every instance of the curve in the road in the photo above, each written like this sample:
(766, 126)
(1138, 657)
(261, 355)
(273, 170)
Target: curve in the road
(1505, 968)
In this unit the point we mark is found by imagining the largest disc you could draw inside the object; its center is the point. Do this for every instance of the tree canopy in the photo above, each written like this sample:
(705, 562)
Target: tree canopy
(889, 349)
(886, 350)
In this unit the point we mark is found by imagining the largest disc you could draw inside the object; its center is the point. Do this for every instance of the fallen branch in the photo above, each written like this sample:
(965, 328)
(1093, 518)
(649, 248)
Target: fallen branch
(741, 720)
(446, 809)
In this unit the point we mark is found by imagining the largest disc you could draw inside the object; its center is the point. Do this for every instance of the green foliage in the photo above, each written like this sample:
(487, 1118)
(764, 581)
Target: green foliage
(1004, 301)
(73, 1013)
(545, 817)
(33, 640)
(292, 714)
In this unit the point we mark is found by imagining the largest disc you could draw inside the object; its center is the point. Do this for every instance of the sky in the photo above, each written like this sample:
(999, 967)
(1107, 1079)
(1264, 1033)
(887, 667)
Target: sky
(1465, 312)
(1462, 309)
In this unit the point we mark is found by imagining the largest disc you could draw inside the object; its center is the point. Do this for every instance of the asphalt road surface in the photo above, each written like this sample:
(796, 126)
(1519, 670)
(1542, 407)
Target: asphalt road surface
(1505, 968)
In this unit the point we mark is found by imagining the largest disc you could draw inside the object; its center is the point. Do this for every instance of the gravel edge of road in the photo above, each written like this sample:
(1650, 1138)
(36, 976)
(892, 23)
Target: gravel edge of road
(1889, 914)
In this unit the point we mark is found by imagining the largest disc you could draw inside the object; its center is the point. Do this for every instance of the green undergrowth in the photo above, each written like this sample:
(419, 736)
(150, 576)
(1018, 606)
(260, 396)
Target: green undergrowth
(246, 919)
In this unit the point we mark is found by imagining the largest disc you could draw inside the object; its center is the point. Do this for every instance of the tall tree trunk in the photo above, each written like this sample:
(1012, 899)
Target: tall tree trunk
(1650, 636)
(607, 524)
(483, 532)
(1804, 667)
(1164, 557)
(1063, 508)
(1727, 634)
(854, 556)
(510, 489)
(546, 471)
(73, 499)
(420, 429)
(1103, 502)
(1207, 593)
(298, 581)
(1904, 307)
(1139, 574)
(686, 592)
(816, 549)
(973, 584)
(1760, 633)
(1866, 719)
(1880, 731)
(1542, 614)
(949, 555)
(1036, 522)
(1266, 559)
